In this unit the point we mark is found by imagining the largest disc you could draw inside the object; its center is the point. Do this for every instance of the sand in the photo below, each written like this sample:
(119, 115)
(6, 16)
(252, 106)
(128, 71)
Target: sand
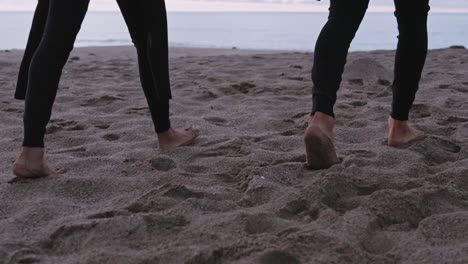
(241, 194)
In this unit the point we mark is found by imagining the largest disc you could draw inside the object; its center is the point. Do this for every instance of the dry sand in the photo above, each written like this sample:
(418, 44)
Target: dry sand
(241, 194)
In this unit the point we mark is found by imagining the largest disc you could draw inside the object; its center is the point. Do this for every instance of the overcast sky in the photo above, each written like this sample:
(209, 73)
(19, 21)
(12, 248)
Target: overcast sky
(249, 5)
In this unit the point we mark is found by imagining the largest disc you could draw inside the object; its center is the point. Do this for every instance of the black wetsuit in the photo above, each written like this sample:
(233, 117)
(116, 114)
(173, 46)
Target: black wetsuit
(147, 23)
(55, 27)
(333, 43)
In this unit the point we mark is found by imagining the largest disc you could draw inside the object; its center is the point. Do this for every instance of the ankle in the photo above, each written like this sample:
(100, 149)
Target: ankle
(397, 125)
(323, 121)
(166, 135)
(32, 153)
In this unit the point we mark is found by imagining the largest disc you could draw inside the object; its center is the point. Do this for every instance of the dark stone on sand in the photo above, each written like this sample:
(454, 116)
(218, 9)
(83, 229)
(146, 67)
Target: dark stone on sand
(75, 58)
(457, 47)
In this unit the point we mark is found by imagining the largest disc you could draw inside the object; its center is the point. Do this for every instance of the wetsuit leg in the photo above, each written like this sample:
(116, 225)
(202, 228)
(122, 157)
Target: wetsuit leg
(63, 24)
(411, 54)
(331, 51)
(147, 24)
(35, 36)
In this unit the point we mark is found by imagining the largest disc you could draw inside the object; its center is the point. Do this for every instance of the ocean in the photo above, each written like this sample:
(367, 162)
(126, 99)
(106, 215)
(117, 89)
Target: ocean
(274, 31)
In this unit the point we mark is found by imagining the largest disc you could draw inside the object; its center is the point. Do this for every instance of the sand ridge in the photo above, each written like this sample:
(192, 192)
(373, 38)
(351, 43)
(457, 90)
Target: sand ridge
(241, 194)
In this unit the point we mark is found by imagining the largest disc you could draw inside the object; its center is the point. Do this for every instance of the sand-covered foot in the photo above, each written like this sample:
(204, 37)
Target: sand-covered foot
(320, 150)
(31, 164)
(176, 138)
(318, 138)
(401, 134)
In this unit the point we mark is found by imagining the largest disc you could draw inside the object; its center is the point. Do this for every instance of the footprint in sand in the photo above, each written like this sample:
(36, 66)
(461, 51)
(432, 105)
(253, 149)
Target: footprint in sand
(296, 78)
(302, 115)
(196, 169)
(101, 101)
(455, 103)
(361, 123)
(215, 142)
(102, 126)
(183, 193)
(461, 181)
(278, 257)
(62, 125)
(358, 103)
(339, 193)
(294, 208)
(392, 207)
(384, 82)
(68, 230)
(343, 106)
(227, 148)
(111, 137)
(444, 86)
(160, 224)
(163, 164)
(218, 121)
(376, 242)
(243, 87)
(137, 110)
(461, 89)
(420, 111)
(206, 95)
(292, 132)
(22, 255)
(453, 120)
(296, 66)
(107, 214)
(359, 82)
(437, 150)
(229, 151)
(13, 110)
(151, 201)
(385, 93)
(258, 224)
(445, 229)
(361, 153)
(70, 150)
(255, 193)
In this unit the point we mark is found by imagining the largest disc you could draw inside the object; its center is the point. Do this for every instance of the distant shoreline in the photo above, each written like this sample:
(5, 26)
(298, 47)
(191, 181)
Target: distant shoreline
(244, 30)
(182, 51)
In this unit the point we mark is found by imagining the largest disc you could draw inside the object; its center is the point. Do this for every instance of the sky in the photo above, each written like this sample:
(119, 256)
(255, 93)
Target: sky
(449, 6)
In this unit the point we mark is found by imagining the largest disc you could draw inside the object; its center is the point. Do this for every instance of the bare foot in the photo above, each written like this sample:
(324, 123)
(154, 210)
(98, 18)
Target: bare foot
(31, 164)
(318, 139)
(176, 138)
(400, 134)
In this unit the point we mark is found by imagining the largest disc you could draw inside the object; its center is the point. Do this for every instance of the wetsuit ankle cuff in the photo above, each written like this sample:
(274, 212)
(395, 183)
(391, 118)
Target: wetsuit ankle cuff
(322, 104)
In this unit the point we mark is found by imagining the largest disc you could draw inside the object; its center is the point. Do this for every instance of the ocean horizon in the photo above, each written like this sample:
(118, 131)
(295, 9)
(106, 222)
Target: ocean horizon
(243, 30)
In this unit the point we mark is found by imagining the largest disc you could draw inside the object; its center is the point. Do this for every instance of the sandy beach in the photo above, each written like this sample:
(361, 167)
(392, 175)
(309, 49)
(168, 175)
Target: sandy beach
(241, 194)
